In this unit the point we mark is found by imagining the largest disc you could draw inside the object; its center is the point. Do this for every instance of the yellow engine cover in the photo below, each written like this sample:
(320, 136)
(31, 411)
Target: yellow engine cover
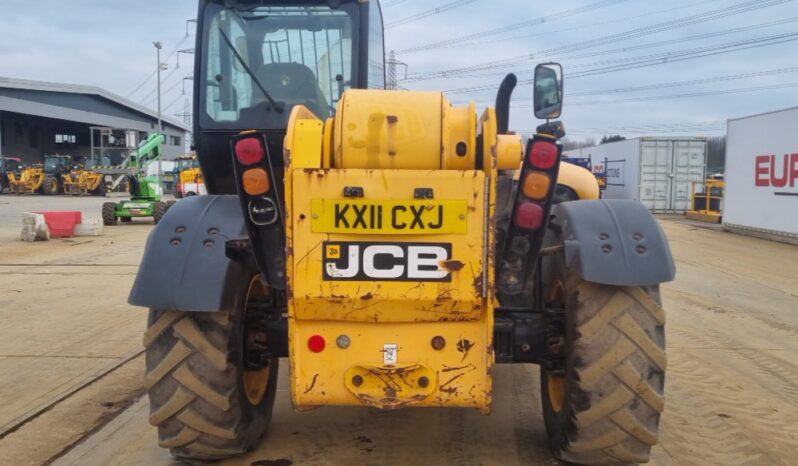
(403, 130)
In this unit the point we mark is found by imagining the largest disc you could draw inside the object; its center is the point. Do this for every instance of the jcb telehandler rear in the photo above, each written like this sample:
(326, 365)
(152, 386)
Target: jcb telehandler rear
(379, 240)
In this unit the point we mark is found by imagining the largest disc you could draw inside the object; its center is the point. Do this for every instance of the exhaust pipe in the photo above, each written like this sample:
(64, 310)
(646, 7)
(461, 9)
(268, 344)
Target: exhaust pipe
(503, 102)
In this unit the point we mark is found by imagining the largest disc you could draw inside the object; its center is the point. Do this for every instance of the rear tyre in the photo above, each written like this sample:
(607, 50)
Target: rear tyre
(206, 405)
(101, 189)
(109, 213)
(50, 186)
(603, 404)
(158, 211)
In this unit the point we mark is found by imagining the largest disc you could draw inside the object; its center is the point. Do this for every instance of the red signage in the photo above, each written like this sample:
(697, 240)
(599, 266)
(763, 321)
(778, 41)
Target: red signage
(776, 172)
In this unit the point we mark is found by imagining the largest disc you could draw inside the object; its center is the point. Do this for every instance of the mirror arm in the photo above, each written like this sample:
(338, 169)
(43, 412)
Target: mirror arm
(503, 102)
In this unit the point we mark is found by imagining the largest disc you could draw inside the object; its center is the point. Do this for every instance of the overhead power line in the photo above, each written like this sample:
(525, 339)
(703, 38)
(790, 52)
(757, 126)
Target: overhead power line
(736, 9)
(152, 74)
(676, 96)
(650, 129)
(165, 79)
(623, 64)
(427, 13)
(692, 82)
(663, 55)
(629, 63)
(473, 39)
(688, 95)
(390, 3)
(636, 131)
(692, 38)
(512, 27)
(675, 127)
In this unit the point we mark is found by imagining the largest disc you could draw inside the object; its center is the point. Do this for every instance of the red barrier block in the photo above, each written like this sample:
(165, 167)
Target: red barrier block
(62, 224)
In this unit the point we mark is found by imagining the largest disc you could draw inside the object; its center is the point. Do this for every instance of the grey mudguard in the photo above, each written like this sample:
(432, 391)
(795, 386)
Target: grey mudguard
(614, 242)
(184, 265)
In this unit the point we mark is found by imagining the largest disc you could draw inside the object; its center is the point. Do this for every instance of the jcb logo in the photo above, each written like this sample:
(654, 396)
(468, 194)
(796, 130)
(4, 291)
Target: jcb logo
(389, 262)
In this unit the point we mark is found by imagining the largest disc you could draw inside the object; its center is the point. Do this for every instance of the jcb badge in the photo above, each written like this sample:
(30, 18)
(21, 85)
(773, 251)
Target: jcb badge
(345, 261)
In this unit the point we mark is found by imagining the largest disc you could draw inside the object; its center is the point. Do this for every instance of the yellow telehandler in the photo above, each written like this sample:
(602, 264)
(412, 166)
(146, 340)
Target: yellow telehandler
(82, 182)
(378, 241)
(30, 180)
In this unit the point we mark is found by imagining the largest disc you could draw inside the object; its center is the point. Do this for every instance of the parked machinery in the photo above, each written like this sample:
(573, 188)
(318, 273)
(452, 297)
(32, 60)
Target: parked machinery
(83, 182)
(376, 239)
(145, 190)
(599, 171)
(706, 204)
(188, 177)
(30, 180)
(55, 167)
(10, 168)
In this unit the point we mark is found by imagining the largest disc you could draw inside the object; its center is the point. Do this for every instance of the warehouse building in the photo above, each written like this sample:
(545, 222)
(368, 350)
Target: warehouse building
(88, 123)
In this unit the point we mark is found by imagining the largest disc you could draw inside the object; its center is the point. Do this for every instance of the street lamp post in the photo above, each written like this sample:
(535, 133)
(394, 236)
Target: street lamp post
(161, 67)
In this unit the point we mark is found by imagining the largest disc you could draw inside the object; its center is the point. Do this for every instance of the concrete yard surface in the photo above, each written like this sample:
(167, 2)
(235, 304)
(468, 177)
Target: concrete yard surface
(70, 367)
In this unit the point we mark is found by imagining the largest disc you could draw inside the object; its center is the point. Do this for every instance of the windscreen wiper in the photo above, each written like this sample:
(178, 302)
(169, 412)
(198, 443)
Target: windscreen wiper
(278, 106)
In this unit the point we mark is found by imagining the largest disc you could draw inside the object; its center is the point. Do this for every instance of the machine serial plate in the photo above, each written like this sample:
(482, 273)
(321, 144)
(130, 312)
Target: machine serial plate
(389, 217)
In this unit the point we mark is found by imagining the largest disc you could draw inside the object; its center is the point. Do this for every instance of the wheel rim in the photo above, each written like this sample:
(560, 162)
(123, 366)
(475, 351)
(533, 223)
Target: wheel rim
(556, 388)
(556, 384)
(256, 381)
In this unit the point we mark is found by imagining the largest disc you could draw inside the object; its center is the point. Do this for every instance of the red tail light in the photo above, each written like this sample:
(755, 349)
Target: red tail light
(529, 216)
(250, 151)
(543, 155)
(316, 343)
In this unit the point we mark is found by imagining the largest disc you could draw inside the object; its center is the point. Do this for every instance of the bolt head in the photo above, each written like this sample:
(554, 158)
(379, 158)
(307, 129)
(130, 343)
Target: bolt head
(357, 381)
(438, 343)
(343, 341)
(423, 382)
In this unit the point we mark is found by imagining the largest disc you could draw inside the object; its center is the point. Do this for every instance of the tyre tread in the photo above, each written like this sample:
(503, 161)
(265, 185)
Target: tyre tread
(618, 341)
(192, 385)
(183, 438)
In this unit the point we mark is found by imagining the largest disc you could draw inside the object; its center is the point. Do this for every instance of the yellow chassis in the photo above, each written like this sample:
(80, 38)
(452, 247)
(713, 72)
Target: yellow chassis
(400, 342)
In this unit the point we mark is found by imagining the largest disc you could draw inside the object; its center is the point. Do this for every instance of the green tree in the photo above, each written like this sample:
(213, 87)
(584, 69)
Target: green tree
(614, 138)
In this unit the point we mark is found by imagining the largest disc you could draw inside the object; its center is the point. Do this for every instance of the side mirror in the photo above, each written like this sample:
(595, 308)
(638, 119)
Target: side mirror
(548, 91)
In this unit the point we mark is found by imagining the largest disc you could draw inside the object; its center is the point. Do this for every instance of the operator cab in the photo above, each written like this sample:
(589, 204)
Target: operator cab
(57, 164)
(258, 59)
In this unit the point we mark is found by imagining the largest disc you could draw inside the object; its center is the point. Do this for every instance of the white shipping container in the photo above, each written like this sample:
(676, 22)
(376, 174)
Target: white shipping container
(762, 175)
(658, 172)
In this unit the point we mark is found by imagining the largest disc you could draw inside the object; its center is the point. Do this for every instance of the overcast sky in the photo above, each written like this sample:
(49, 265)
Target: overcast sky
(108, 43)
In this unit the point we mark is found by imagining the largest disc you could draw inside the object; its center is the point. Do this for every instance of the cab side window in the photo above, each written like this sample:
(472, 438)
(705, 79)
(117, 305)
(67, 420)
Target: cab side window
(376, 58)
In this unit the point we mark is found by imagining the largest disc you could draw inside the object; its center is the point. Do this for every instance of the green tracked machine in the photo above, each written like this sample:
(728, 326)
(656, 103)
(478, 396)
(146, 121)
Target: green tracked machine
(145, 190)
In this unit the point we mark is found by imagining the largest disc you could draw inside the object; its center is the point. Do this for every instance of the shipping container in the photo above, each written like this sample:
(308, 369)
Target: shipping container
(762, 175)
(658, 172)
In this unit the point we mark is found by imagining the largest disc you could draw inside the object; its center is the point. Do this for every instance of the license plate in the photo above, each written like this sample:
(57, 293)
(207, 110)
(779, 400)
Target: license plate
(389, 217)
